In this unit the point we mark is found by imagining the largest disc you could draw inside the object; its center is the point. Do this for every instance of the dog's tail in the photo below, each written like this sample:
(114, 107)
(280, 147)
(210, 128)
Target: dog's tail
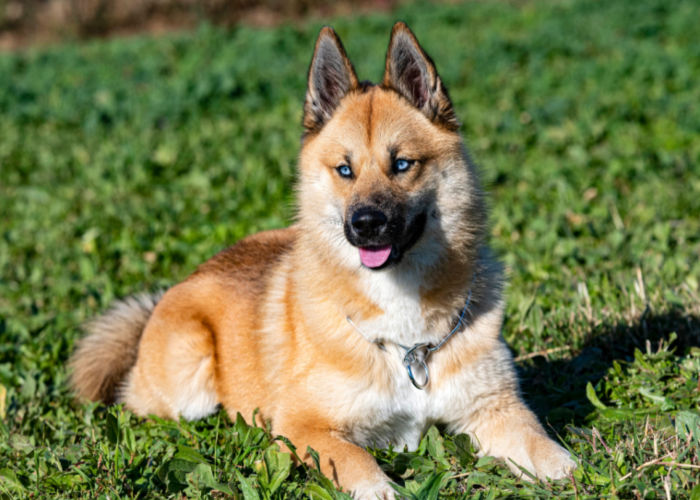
(107, 353)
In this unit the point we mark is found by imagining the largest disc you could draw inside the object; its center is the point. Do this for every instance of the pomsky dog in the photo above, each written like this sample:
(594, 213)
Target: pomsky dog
(376, 314)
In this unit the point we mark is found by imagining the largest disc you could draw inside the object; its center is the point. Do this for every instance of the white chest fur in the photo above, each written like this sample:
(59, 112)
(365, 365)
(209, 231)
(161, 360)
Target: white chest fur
(381, 414)
(398, 418)
(397, 413)
(398, 296)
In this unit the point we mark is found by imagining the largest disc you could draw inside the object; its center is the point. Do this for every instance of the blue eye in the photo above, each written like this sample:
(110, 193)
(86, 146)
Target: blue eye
(344, 171)
(401, 165)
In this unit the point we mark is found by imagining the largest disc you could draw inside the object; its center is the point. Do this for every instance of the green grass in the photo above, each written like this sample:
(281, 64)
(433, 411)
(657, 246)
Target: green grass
(124, 164)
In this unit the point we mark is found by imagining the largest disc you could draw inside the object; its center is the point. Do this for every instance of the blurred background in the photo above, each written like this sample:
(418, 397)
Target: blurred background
(27, 22)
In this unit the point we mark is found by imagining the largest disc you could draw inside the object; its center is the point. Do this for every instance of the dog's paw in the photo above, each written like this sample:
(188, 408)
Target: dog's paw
(541, 457)
(553, 462)
(374, 491)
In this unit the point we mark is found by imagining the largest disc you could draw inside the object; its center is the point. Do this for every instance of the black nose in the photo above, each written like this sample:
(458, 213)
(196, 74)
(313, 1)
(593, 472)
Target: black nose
(368, 222)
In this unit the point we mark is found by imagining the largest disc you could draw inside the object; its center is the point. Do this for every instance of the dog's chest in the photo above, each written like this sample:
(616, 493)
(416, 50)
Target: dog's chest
(399, 299)
(391, 410)
(395, 415)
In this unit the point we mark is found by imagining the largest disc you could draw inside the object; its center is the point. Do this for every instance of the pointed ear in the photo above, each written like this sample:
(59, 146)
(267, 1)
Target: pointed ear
(331, 77)
(411, 72)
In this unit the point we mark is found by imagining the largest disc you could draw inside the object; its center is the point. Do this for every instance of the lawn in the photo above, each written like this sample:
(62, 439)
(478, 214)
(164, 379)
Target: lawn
(125, 163)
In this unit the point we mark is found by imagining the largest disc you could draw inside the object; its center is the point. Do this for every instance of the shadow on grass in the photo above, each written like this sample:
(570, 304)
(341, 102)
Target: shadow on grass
(556, 389)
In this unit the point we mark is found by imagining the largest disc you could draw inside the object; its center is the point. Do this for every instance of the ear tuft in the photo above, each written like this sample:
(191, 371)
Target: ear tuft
(410, 71)
(331, 77)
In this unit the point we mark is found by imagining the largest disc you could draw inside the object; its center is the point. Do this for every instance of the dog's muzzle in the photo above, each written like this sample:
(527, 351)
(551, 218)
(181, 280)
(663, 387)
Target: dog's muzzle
(382, 235)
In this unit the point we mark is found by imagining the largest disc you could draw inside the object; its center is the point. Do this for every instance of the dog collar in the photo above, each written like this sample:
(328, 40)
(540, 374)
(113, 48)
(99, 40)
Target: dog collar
(415, 359)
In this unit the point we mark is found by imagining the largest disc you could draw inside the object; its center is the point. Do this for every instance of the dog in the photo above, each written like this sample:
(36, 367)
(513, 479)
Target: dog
(376, 314)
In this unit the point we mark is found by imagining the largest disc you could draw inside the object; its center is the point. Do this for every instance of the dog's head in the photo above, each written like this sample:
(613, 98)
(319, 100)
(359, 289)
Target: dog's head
(384, 175)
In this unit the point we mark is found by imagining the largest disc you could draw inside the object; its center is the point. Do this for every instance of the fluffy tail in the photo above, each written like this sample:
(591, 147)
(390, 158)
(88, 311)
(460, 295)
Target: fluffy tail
(105, 355)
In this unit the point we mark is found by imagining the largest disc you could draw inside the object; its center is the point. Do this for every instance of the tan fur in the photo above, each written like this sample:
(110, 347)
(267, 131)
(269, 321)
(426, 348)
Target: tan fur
(104, 358)
(264, 324)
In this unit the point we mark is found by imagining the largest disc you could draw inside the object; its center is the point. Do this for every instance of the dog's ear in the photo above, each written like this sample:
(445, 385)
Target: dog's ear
(331, 77)
(411, 72)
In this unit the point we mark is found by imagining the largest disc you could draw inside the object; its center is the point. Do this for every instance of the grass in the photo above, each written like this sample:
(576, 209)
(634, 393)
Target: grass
(124, 164)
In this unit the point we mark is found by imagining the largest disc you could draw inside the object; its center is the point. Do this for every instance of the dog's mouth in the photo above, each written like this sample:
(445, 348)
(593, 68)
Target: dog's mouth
(377, 254)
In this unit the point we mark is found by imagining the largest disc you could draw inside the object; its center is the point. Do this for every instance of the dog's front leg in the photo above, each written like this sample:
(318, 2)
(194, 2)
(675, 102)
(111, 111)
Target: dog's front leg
(510, 431)
(348, 465)
(502, 425)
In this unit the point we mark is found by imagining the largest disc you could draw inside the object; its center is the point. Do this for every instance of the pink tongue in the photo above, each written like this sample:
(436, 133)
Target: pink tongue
(375, 257)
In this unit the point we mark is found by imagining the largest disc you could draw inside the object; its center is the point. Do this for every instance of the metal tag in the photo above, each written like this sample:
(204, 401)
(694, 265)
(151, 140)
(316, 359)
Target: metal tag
(415, 362)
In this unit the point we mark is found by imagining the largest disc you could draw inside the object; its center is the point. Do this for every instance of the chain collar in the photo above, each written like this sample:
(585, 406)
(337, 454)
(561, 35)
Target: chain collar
(415, 359)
